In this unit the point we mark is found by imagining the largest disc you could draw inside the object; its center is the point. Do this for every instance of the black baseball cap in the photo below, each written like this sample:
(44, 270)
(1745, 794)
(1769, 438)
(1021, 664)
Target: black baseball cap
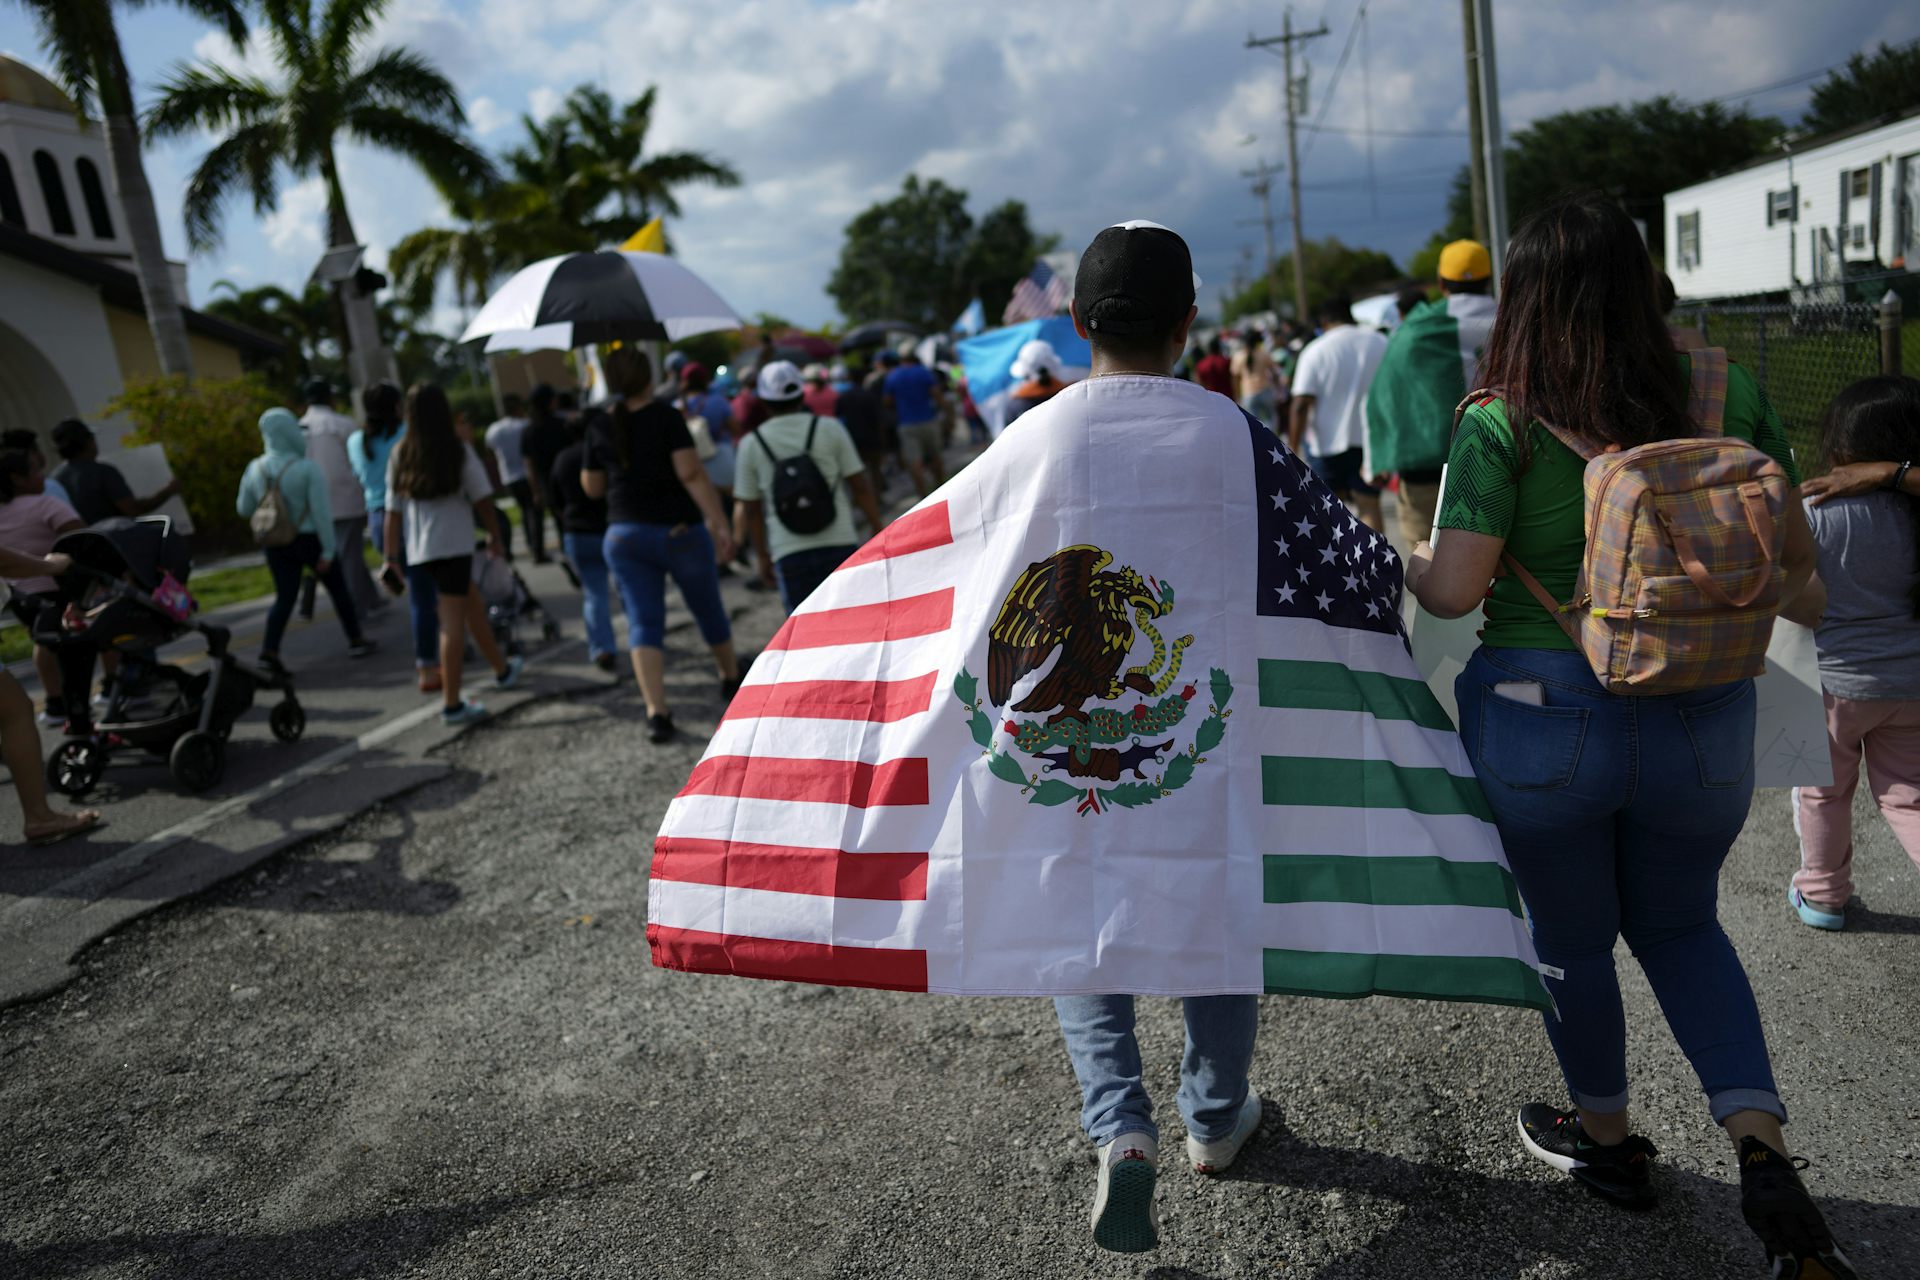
(1135, 278)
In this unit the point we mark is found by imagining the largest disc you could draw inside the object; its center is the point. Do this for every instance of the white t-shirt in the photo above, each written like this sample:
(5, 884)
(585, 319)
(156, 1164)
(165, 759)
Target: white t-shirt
(833, 452)
(440, 528)
(327, 434)
(504, 438)
(1336, 369)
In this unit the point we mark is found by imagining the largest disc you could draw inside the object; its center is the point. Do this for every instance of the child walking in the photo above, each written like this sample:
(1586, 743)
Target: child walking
(1867, 522)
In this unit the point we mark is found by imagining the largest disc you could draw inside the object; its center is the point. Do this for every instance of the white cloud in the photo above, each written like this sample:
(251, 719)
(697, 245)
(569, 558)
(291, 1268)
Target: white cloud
(487, 116)
(544, 101)
(297, 229)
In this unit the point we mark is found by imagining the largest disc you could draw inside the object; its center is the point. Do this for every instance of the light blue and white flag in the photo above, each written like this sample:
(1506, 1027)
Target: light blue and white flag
(989, 358)
(972, 320)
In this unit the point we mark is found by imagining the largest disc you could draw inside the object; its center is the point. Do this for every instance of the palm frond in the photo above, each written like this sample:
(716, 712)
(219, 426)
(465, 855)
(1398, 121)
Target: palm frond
(343, 24)
(444, 154)
(289, 26)
(402, 79)
(228, 15)
(73, 34)
(245, 159)
(208, 97)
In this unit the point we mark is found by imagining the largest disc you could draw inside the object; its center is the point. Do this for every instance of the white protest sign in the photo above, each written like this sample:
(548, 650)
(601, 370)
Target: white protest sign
(146, 472)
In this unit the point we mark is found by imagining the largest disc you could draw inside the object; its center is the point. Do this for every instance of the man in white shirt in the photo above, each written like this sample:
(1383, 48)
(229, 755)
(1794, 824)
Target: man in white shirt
(798, 560)
(1328, 414)
(506, 440)
(327, 432)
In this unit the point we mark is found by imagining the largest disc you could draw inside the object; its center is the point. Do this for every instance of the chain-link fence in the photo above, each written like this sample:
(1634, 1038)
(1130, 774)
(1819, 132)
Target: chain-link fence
(1802, 355)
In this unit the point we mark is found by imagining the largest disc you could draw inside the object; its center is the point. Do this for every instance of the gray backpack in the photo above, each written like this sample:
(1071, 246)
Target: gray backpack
(271, 523)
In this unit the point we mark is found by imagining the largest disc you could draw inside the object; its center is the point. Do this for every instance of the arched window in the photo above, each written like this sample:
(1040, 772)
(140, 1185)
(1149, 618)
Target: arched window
(10, 211)
(55, 192)
(96, 199)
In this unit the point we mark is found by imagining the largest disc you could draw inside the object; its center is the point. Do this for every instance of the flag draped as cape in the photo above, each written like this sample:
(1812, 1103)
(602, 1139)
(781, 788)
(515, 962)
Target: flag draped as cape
(1125, 706)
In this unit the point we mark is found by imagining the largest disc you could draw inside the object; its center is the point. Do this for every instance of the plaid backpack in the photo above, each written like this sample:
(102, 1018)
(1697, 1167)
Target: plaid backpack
(1682, 573)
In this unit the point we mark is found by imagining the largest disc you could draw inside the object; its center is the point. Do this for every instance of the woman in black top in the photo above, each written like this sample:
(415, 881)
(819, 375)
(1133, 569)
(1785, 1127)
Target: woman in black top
(583, 528)
(663, 519)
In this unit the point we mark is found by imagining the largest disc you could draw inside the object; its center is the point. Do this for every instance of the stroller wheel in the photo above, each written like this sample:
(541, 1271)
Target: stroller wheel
(199, 760)
(288, 720)
(75, 767)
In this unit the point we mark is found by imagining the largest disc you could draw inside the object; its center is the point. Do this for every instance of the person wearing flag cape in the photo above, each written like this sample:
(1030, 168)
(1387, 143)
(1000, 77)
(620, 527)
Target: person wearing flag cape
(1125, 708)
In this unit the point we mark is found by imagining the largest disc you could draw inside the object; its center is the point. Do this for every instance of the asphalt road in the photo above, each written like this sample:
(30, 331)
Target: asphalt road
(429, 1044)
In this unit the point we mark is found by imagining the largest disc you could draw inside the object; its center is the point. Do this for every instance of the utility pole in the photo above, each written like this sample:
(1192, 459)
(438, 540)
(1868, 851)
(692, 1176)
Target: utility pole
(1286, 40)
(1492, 144)
(1477, 159)
(1262, 176)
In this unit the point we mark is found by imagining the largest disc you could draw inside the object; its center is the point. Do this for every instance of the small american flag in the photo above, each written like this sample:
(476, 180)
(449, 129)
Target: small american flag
(1043, 293)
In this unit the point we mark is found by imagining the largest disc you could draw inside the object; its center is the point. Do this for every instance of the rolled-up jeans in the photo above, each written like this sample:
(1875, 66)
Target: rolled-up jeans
(588, 557)
(1106, 1060)
(1616, 813)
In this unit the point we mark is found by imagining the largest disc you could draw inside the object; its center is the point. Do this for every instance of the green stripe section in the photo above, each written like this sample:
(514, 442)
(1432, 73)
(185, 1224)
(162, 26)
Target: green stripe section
(1328, 686)
(1346, 975)
(1389, 882)
(1368, 784)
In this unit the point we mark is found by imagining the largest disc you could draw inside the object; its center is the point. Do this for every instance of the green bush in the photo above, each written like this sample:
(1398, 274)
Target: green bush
(210, 429)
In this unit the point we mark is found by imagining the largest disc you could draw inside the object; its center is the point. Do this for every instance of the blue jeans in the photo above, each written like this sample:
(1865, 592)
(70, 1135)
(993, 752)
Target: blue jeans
(1106, 1059)
(286, 565)
(589, 560)
(1616, 813)
(803, 571)
(423, 608)
(643, 556)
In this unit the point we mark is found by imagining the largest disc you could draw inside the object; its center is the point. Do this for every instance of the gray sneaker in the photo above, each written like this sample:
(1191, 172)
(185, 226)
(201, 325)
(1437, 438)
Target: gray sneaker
(468, 712)
(1125, 1219)
(1214, 1157)
(511, 676)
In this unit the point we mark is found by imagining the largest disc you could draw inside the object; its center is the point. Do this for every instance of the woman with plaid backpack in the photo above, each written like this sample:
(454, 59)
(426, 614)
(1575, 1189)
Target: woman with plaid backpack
(1641, 509)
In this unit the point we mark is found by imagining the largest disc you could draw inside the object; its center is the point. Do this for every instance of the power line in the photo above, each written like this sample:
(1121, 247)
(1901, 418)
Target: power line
(1333, 82)
(1350, 131)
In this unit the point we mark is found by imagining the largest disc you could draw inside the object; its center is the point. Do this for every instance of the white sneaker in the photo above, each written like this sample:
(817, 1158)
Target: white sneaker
(1125, 1219)
(1215, 1157)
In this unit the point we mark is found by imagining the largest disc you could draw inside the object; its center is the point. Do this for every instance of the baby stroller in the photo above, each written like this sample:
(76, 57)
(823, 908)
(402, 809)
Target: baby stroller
(509, 603)
(183, 717)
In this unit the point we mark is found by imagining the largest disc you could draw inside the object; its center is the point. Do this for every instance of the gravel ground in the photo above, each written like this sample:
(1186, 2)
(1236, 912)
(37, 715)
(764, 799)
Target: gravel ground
(430, 1044)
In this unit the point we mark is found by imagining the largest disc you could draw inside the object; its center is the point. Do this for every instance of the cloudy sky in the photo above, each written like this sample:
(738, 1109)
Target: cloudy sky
(1091, 111)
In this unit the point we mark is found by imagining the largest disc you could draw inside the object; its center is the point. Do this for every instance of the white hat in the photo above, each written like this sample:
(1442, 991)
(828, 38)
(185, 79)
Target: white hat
(814, 372)
(779, 380)
(1035, 356)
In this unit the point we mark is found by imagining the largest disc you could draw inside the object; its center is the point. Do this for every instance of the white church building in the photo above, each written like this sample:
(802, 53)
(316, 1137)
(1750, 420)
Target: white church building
(73, 329)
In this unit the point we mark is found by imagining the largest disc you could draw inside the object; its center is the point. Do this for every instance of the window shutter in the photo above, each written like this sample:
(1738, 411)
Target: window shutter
(1846, 188)
(1873, 215)
(1769, 208)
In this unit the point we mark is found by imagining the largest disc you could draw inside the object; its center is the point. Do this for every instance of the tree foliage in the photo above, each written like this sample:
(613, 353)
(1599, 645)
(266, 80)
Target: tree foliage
(1332, 268)
(1871, 85)
(329, 88)
(919, 257)
(210, 429)
(1635, 153)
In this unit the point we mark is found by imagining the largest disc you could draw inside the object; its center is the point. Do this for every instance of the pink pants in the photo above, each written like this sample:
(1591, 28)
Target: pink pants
(1887, 733)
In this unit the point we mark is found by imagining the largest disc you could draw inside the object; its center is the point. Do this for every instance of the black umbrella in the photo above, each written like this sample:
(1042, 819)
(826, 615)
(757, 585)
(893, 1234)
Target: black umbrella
(875, 334)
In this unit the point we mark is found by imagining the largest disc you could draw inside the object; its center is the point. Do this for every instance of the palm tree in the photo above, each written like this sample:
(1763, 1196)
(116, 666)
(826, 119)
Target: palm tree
(499, 230)
(392, 99)
(612, 142)
(84, 43)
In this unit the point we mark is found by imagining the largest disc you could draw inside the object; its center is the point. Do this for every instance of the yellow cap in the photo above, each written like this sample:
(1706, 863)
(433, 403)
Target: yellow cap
(1465, 260)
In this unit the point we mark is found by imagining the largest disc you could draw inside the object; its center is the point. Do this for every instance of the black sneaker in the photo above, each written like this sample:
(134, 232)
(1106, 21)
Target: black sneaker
(1776, 1205)
(1622, 1173)
(660, 728)
(360, 649)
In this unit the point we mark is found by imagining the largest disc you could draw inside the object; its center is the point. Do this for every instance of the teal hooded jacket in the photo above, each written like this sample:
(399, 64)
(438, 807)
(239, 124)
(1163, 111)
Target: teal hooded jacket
(301, 485)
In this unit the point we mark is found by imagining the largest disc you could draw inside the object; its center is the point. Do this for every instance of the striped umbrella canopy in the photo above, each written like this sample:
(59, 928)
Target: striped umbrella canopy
(608, 296)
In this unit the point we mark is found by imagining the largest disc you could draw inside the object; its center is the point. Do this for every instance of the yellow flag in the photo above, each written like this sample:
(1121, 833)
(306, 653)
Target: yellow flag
(651, 238)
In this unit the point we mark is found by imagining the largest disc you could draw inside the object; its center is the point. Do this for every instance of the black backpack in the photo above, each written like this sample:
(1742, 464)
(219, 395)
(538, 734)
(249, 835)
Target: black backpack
(802, 498)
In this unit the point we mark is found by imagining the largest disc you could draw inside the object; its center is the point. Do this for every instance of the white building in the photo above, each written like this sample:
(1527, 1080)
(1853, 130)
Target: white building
(1820, 211)
(73, 328)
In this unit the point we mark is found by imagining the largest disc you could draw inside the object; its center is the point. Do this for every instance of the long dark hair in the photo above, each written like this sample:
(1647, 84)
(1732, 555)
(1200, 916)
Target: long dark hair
(1877, 420)
(629, 373)
(1580, 340)
(382, 404)
(430, 459)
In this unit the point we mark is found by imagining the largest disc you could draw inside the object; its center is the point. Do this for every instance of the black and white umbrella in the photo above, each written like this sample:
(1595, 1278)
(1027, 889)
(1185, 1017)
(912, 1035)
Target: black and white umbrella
(580, 298)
